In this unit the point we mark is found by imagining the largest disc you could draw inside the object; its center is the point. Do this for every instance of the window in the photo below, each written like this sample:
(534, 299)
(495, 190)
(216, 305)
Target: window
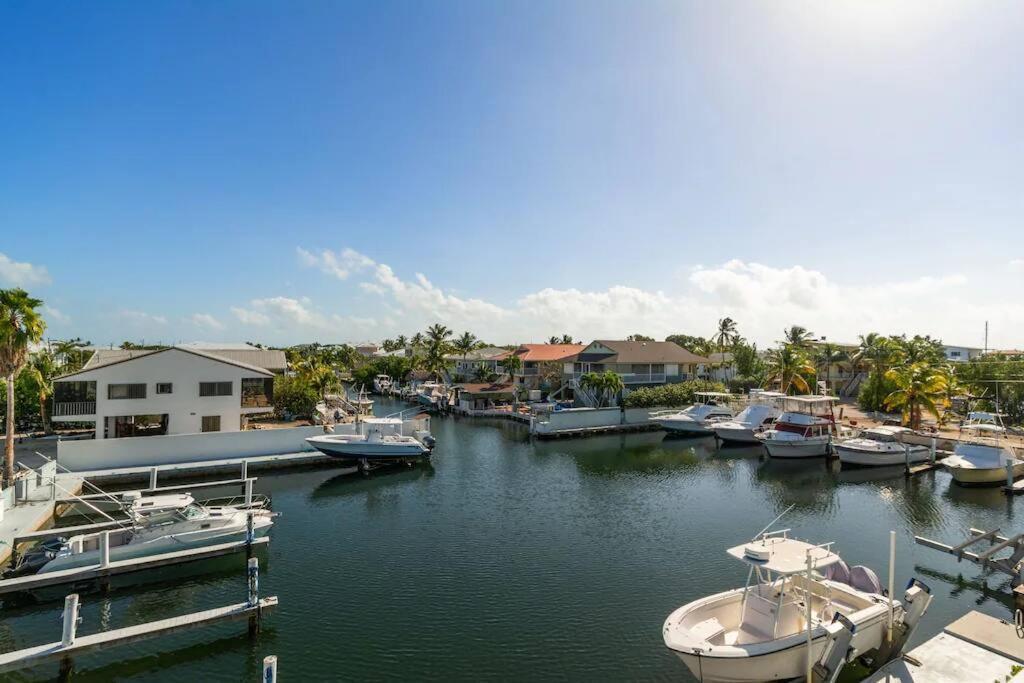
(215, 388)
(257, 392)
(211, 423)
(164, 387)
(117, 391)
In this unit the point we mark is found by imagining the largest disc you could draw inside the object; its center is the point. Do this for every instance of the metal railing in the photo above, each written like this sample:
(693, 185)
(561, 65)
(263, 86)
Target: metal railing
(629, 377)
(74, 408)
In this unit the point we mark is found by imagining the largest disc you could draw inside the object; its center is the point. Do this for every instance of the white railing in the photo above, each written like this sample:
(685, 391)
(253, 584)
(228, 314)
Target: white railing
(629, 377)
(74, 408)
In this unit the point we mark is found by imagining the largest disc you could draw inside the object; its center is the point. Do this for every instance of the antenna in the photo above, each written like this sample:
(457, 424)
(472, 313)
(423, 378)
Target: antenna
(771, 523)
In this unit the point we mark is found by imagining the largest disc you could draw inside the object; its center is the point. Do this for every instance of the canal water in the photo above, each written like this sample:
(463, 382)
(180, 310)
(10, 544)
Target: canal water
(507, 558)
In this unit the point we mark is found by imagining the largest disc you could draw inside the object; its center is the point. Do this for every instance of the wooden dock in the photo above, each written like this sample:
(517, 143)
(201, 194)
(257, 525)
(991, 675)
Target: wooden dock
(97, 572)
(593, 431)
(33, 656)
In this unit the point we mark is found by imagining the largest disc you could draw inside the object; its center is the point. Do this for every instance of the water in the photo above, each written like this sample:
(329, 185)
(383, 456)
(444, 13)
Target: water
(507, 558)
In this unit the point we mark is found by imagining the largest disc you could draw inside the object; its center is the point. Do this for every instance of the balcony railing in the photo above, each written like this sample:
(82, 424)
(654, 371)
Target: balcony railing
(64, 409)
(630, 377)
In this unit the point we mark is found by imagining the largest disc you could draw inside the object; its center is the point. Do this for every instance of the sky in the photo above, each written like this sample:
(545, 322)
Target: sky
(345, 171)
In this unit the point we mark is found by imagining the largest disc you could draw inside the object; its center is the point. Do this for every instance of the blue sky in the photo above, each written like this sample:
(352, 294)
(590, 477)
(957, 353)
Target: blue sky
(345, 171)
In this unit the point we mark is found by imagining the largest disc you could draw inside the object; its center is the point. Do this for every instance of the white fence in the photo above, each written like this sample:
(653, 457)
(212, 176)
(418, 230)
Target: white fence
(147, 451)
(589, 418)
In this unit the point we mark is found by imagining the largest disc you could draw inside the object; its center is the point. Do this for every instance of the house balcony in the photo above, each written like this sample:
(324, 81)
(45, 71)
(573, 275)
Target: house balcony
(75, 408)
(630, 377)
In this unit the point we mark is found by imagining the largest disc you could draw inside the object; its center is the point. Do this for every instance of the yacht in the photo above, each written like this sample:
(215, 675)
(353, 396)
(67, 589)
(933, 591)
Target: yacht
(981, 454)
(804, 430)
(879, 447)
(699, 419)
(375, 438)
(762, 632)
(759, 415)
(159, 524)
(382, 384)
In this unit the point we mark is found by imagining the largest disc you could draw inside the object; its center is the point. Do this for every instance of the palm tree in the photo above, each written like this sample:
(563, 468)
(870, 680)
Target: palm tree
(417, 340)
(877, 351)
(567, 339)
(69, 354)
(726, 333)
(482, 372)
(797, 336)
(919, 387)
(511, 364)
(554, 340)
(402, 341)
(788, 365)
(42, 368)
(322, 378)
(828, 355)
(20, 326)
(604, 385)
(438, 333)
(465, 343)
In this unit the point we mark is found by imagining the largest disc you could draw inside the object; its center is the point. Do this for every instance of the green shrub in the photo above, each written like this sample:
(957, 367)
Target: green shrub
(670, 395)
(293, 395)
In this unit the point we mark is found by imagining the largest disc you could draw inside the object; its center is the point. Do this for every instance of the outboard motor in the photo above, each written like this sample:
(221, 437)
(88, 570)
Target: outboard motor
(37, 558)
(426, 439)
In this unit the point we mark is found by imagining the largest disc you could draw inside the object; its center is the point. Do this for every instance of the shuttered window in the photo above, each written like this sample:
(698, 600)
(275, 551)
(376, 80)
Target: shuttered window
(211, 423)
(117, 391)
(215, 388)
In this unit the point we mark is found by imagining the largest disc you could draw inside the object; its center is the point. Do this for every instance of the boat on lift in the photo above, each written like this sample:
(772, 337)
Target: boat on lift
(804, 430)
(382, 384)
(760, 414)
(880, 447)
(982, 453)
(699, 419)
(375, 439)
(764, 631)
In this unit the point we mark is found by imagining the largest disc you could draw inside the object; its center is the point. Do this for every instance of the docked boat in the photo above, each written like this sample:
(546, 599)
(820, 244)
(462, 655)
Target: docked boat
(710, 408)
(374, 438)
(382, 384)
(880, 447)
(431, 394)
(982, 453)
(759, 415)
(787, 611)
(804, 430)
(159, 524)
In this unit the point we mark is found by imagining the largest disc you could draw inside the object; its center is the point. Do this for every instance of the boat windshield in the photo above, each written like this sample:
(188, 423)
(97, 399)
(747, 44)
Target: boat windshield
(193, 512)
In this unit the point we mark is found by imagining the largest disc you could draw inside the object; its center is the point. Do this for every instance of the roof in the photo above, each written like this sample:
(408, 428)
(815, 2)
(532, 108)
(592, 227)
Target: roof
(720, 357)
(547, 352)
(268, 359)
(783, 555)
(485, 353)
(486, 388)
(649, 352)
(127, 355)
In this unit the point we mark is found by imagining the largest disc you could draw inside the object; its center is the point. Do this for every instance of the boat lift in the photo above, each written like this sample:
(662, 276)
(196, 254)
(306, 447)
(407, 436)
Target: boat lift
(987, 559)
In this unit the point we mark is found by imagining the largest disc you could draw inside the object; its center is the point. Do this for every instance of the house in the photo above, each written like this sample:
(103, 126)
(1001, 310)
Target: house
(175, 390)
(959, 354)
(274, 360)
(483, 396)
(542, 364)
(465, 365)
(721, 367)
(638, 363)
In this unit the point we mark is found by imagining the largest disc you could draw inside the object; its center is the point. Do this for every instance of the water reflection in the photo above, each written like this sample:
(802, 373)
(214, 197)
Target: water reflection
(380, 481)
(995, 588)
(805, 483)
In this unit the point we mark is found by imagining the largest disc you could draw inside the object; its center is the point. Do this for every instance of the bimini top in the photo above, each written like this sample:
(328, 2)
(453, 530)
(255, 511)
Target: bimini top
(713, 394)
(783, 555)
(382, 420)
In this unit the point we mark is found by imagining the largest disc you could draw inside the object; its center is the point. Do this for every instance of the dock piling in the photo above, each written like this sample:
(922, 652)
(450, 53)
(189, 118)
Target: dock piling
(104, 549)
(245, 469)
(906, 458)
(248, 492)
(932, 452)
(1009, 474)
(71, 620)
(270, 669)
(152, 477)
(254, 594)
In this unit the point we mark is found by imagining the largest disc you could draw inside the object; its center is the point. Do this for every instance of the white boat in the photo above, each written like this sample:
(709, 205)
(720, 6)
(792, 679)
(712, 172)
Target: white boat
(804, 430)
(759, 415)
(160, 524)
(699, 419)
(880, 447)
(382, 384)
(431, 394)
(377, 438)
(981, 455)
(762, 632)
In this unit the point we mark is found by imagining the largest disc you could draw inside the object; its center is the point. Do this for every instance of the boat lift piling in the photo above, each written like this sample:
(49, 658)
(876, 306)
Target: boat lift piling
(270, 669)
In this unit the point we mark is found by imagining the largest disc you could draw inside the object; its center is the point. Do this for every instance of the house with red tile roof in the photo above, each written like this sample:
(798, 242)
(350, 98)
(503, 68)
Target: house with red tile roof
(543, 364)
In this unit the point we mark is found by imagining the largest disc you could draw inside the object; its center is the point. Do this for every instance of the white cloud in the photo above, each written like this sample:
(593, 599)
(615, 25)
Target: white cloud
(206, 320)
(250, 317)
(340, 265)
(140, 317)
(56, 315)
(22, 274)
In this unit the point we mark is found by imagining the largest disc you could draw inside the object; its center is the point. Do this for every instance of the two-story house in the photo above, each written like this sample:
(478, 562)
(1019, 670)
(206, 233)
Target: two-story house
(176, 390)
(542, 364)
(638, 363)
(463, 366)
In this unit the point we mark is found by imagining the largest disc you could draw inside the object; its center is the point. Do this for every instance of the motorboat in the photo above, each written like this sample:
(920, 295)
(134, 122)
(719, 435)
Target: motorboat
(880, 447)
(803, 430)
(382, 384)
(159, 524)
(431, 394)
(798, 598)
(983, 451)
(760, 414)
(710, 408)
(374, 438)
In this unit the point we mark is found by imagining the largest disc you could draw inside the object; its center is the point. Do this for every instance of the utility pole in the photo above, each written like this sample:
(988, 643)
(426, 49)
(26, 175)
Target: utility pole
(986, 336)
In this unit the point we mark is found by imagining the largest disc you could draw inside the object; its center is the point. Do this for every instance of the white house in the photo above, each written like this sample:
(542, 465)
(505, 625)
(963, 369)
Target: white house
(176, 390)
(958, 354)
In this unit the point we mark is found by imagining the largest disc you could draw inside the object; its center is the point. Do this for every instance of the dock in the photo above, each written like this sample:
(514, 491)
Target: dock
(593, 431)
(975, 647)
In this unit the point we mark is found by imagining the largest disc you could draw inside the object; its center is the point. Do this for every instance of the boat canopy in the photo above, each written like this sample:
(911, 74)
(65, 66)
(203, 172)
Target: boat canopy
(382, 420)
(783, 556)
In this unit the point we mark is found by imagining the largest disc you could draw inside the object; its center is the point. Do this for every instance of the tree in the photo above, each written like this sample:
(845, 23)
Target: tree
(41, 369)
(511, 364)
(828, 355)
(789, 366)
(697, 345)
(919, 387)
(70, 354)
(797, 336)
(605, 386)
(639, 338)
(321, 378)
(21, 325)
(567, 339)
(876, 351)
(417, 341)
(554, 340)
(726, 334)
(465, 343)
(402, 341)
(482, 372)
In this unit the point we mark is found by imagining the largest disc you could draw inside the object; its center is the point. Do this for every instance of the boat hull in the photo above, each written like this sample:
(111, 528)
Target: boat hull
(778, 665)
(866, 458)
(745, 435)
(373, 451)
(685, 427)
(982, 476)
(793, 449)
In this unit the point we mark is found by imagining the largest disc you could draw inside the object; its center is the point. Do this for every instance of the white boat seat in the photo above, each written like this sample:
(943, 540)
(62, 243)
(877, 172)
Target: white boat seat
(708, 629)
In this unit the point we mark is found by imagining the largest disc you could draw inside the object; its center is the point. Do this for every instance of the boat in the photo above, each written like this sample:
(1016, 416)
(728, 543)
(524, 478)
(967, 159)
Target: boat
(431, 395)
(879, 447)
(698, 419)
(374, 438)
(159, 524)
(765, 630)
(382, 384)
(760, 414)
(804, 430)
(983, 451)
